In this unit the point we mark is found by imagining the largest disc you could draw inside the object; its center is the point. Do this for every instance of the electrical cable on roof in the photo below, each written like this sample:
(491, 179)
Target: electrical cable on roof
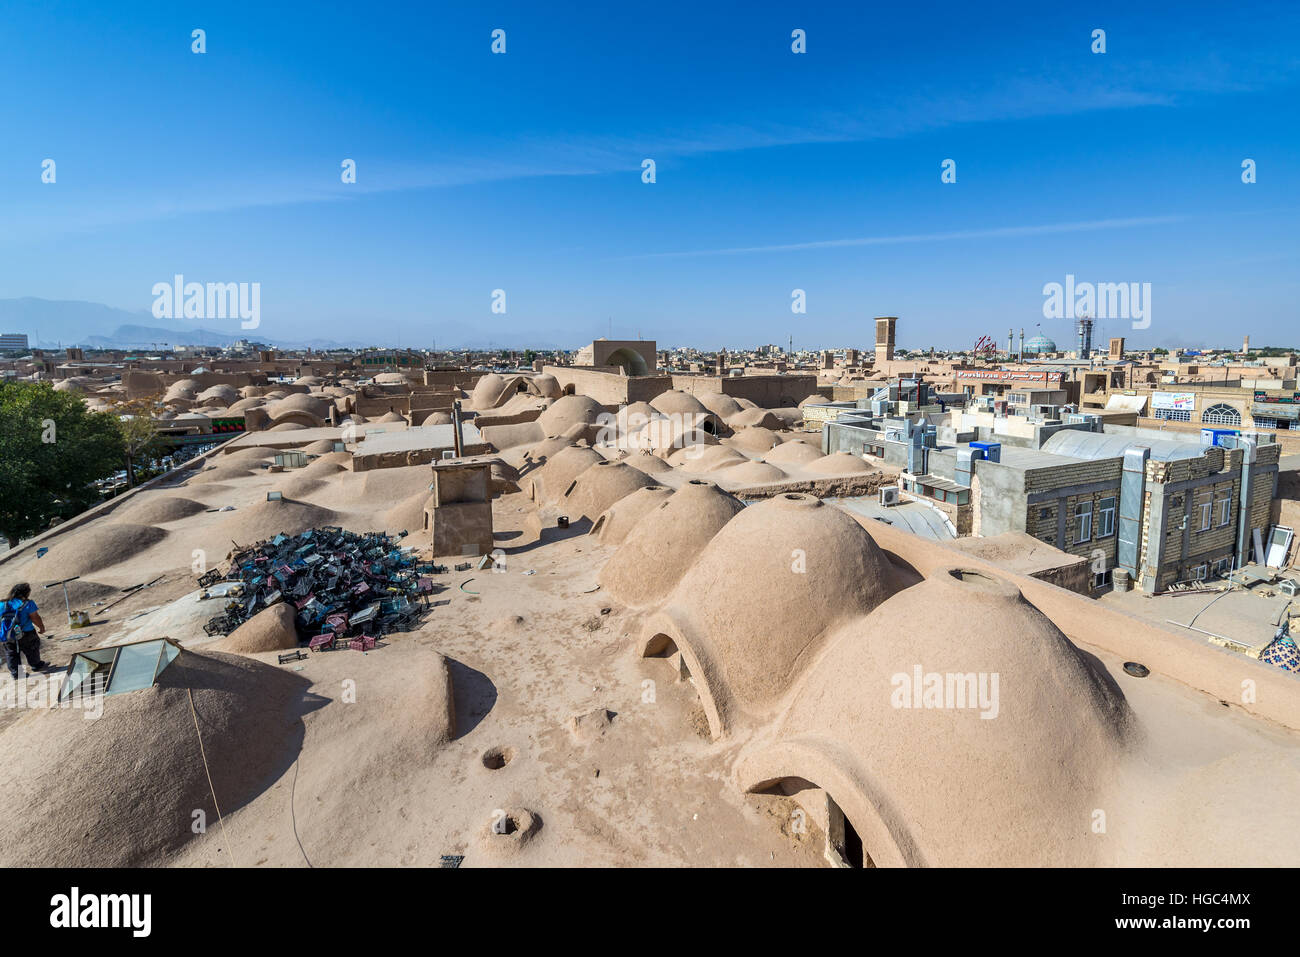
(203, 753)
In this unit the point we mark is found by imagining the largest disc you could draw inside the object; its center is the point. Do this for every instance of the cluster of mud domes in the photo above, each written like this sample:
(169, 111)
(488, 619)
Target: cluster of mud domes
(662, 545)
(493, 391)
(549, 482)
(613, 526)
(600, 486)
(518, 414)
(527, 420)
(850, 669)
(308, 403)
(675, 431)
(755, 605)
(732, 413)
(779, 458)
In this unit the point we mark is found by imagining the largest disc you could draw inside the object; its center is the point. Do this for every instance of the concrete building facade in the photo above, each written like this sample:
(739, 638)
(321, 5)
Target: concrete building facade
(1165, 511)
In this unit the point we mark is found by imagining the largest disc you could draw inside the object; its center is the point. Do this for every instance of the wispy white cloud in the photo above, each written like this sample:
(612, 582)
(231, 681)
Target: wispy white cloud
(848, 115)
(999, 232)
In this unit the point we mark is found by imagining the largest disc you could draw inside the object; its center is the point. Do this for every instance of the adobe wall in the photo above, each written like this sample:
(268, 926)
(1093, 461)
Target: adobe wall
(1076, 577)
(374, 407)
(609, 388)
(140, 385)
(766, 391)
(397, 460)
(431, 401)
(452, 378)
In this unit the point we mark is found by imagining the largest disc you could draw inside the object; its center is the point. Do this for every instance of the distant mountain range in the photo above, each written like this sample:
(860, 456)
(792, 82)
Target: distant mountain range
(51, 324)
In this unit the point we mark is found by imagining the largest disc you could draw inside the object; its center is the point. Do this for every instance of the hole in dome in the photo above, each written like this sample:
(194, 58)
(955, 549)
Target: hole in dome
(494, 759)
(969, 576)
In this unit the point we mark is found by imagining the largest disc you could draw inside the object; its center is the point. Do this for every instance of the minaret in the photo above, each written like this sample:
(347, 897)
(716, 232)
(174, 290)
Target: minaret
(1022, 345)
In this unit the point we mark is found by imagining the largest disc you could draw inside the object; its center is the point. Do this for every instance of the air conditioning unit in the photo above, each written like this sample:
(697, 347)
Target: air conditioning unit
(889, 495)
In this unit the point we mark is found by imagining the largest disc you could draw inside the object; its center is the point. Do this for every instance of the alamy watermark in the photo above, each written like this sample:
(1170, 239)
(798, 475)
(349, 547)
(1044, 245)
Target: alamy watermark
(179, 299)
(75, 909)
(42, 692)
(946, 690)
(1103, 300)
(638, 432)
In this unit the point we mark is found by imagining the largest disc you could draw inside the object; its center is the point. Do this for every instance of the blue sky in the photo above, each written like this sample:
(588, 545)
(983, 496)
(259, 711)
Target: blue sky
(775, 171)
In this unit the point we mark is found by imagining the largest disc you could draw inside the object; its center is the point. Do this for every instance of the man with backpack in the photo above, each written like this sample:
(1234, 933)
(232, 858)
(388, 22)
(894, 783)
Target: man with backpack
(19, 623)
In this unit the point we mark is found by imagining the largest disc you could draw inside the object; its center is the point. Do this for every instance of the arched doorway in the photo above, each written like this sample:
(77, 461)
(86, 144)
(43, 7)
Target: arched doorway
(818, 813)
(825, 779)
(630, 361)
(663, 646)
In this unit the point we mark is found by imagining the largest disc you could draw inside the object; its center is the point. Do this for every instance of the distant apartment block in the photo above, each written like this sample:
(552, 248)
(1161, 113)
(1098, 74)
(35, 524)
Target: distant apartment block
(13, 342)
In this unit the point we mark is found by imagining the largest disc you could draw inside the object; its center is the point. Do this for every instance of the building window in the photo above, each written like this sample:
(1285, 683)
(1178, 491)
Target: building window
(1206, 510)
(1199, 572)
(1224, 502)
(1101, 579)
(1106, 518)
(1223, 566)
(1277, 424)
(1083, 522)
(1018, 398)
(1221, 415)
(1174, 415)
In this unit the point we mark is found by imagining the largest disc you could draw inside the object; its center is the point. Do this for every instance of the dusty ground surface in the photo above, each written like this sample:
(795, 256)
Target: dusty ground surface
(1204, 786)
(528, 654)
(638, 782)
(1248, 616)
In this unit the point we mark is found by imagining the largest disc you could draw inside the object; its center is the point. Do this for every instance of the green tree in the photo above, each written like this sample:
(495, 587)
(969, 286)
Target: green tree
(51, 451)
(140, 440)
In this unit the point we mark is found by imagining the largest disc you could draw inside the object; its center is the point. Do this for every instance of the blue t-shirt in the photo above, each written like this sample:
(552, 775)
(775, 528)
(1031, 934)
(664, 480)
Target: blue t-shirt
(26, 609)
